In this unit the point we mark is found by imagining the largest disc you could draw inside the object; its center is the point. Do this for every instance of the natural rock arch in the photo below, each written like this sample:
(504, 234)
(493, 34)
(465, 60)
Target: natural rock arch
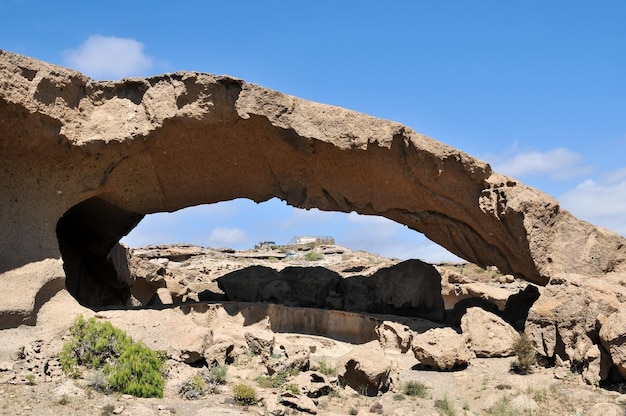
(89, 159)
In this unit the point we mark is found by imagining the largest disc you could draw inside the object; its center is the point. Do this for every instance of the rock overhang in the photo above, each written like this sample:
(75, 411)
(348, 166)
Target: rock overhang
(103, 154)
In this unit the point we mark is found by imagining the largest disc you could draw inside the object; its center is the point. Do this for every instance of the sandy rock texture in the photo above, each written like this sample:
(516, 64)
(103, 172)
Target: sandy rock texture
(82, 162)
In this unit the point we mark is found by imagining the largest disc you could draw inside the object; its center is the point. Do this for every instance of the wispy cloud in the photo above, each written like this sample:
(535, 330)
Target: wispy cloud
(103, 57)
(383, 236)
(228, 237)
(557, 164)
(600, 202)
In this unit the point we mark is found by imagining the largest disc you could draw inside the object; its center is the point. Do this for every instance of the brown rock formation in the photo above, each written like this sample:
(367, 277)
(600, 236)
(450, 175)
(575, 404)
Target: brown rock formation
(82, 162)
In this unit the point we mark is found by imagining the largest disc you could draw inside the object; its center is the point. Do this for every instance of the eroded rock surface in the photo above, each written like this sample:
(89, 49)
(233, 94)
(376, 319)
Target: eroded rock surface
(82, 162)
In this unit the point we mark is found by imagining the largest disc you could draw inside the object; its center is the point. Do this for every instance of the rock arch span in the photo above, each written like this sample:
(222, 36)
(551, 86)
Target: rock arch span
(89, 159)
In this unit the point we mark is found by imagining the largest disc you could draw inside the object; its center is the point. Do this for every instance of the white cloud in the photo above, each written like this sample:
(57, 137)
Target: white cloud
(228, 237)
(104, 57)
(558, 164)
(601, 203)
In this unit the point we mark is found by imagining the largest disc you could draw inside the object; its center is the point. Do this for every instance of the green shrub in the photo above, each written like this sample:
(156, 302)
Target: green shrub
(525, 354)
(293, 388)
(327, 368)
(217, 374)
(415, 389)
(93, 343)
(244, 394)
(130, 367)
(274, 381)
(137, 372)
(313, 256)
(192, 388)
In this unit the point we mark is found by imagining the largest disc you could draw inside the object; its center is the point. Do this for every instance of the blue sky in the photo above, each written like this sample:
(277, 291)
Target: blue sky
(536, 88)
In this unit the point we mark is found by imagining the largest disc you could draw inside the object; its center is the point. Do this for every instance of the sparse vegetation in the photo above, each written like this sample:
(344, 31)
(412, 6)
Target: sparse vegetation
(503, 407)
(30, 379)
(525, 354)
(192, 388)
(107, 410)
(293, 388)
(415, 389)
(244, 394)
(274, 381)
(313, 256)
(130, 367)
(326, 368)
(445, 407)
(217, 374)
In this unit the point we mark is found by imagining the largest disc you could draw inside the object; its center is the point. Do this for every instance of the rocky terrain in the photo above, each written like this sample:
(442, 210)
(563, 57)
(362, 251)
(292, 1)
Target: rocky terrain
(82, 162)
(342, 362)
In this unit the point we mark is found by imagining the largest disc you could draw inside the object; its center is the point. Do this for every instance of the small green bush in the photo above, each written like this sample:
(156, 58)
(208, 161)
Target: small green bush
(313, 256)
(525, 354)
(274, 381)
(327, 368)
(193, 388)
(244, 394)
(93, 343)
(293, 388)
(130, 367)
(217, 374)
(137, 372)
(415, 389)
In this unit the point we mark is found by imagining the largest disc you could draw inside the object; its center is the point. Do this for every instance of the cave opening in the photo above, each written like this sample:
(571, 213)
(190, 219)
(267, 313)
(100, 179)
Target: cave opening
(96, 266)
(101, 273)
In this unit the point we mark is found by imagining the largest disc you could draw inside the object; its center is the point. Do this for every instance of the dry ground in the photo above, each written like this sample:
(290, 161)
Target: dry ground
(486, 386)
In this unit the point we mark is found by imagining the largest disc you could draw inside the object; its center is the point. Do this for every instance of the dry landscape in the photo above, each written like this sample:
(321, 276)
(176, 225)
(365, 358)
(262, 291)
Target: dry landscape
(242, 341)
(534, 323)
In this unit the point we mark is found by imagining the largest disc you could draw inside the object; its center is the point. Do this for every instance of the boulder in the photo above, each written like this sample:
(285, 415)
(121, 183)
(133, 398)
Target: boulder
(311, 285)
(313, 384)
(441, 349)
(410, 288)
(488, 334)
(108, 153)
(260, 343)
(367, 370)
(613, 337)
(248, 285)
(298, 402)
(564, 320)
